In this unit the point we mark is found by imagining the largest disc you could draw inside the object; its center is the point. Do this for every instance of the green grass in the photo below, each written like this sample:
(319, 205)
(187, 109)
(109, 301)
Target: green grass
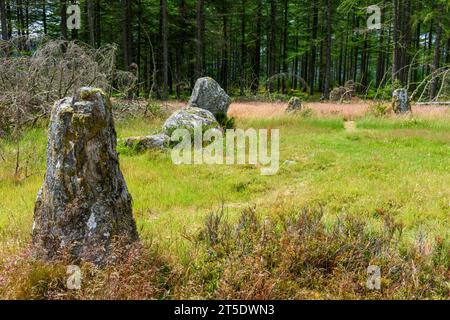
(397, 167)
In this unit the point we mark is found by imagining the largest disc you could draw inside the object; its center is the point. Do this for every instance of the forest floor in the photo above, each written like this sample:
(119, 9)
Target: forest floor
(389, 175)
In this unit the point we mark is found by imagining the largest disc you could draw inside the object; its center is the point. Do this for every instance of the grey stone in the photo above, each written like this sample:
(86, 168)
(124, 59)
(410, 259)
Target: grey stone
(345, 92)
(157, 141)
(189, 118)
(84, 206)
(400, 101)
(294, 104)
(208, 95)
(337, 93)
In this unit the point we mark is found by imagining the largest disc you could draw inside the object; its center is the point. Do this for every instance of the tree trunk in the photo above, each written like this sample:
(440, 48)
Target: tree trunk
(200, 42)
(225, 49)
(326, 87)
(380, 60)
(98, 32)
(4, 20)
(396, 38)
(364, 64)
(296, 65)
(447, 51)
(165, 49)
(430, 45)
(285, 46)
(340, 63)
(127, 34)
(139, 48)
(257, 54)
(27, 19)
(91, 22)
(436, 58)
(44, 16)
(243, 50)
(312, 61)
(272, 44)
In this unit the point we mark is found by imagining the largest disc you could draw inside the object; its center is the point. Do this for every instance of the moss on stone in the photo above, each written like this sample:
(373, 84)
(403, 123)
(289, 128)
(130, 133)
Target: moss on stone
(87, 93)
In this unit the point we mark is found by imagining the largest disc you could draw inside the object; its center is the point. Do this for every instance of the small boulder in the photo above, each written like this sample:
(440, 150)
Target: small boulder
(157, 141)
(400, 101)
(209, 95)
(294, 105)
(190, 118)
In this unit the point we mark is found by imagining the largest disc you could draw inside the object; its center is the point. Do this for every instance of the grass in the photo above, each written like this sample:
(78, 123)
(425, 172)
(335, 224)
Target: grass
(396, 168)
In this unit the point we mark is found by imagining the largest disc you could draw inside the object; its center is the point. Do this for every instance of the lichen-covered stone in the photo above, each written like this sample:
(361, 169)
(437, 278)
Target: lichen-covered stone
(344, 92)
(208, 95)
(337, 93)
(190, 118)
(157, 141)
(294, 105)
(400, 101)
(84, 204)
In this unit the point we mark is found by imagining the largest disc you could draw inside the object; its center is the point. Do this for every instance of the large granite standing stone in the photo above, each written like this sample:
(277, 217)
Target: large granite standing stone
(400, 101)
(84, 206)
(208, 95)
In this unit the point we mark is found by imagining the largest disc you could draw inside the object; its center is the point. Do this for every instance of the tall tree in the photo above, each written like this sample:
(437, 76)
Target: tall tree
(127, 34)
(243, 49)
(327, 76)
(44, 16)
(98, 16)
(257, 52)
(225, 45)
(285, 45)
(91, 21)
(272, 44)
(436, 57)
(4, 20)
(165, 48)
(312, 61)
(63, 12)
(396, 68)
(447, 51)
(200, 40)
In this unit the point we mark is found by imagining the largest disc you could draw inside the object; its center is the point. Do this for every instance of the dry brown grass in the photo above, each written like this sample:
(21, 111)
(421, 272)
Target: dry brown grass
(291, 255)
(348, 111)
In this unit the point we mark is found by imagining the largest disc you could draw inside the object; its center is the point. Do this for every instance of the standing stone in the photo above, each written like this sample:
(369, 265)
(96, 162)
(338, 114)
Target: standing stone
(400, 102)
(294, 105)
(84, 206)
(208, 95)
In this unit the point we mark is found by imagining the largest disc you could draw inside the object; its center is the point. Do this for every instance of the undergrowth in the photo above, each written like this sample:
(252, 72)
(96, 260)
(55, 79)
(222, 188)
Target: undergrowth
(295, 255)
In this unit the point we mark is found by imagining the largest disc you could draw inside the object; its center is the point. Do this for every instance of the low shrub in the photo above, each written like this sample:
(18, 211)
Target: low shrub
(299, 256)
(379, 110)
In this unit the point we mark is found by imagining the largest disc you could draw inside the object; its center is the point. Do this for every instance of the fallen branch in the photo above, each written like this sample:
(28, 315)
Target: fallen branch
(440, 103)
